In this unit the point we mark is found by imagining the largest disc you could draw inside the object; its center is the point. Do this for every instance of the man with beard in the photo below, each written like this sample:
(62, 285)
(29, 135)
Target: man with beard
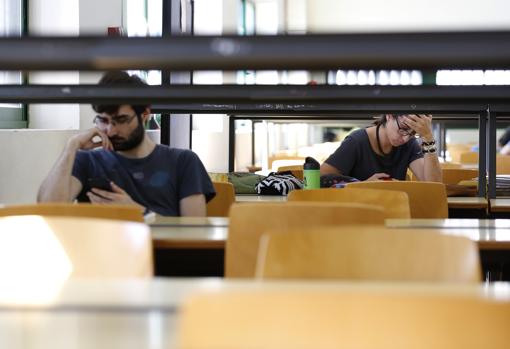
(157, 178)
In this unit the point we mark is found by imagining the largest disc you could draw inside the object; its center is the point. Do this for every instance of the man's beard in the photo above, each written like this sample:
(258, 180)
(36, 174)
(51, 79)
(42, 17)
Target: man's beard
(133, 140)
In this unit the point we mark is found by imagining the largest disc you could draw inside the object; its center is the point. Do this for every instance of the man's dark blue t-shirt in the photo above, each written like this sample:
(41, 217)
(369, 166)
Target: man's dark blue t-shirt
(356, 158)
(159, 181)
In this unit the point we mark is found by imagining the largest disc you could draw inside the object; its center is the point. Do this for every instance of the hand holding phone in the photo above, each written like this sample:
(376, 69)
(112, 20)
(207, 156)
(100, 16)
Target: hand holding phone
(100, 183)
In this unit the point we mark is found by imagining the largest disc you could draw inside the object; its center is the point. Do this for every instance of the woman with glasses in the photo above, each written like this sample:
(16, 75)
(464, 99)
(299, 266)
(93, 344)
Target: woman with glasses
(387, 149)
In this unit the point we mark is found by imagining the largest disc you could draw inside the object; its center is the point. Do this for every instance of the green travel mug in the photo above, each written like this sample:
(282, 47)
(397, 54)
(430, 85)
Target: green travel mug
(311, 174)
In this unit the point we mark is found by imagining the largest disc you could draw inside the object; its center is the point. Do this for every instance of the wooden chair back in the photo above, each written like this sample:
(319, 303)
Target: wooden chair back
(297, 170)
(469, 157)
(219, 206)
(455, 175)
(503, 164)
(456, 149)
(249, 221)
(447, 165)
(368, 253)
(345, 316)
(120, 212)
(394, 203)
(426, 199)
(97, 248)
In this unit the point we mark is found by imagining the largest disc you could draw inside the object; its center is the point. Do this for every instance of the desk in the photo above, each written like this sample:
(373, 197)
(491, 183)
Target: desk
(143, 313)
(500, 205)
(489, 234)
(261, 198)
(467, 207)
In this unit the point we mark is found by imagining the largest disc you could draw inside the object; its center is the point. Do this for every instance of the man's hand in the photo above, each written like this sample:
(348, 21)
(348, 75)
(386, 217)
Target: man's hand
(85, 140)
(378, 176)
(422, 124)
(116, 196)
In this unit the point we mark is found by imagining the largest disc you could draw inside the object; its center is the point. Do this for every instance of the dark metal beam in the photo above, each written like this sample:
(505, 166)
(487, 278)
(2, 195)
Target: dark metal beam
(313, 52)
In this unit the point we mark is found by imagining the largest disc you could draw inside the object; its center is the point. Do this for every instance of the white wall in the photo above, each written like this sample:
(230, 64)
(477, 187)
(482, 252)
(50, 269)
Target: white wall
(26, 160)
(405, 15)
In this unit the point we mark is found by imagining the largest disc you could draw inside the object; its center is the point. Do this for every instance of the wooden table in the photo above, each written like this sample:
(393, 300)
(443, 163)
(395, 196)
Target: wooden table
(460, 202)
(500, 205)
(261, 198)
(141, 313)
(490, 234)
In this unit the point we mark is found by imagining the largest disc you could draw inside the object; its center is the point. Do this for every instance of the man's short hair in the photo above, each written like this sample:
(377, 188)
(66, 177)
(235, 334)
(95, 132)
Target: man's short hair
(119, 78)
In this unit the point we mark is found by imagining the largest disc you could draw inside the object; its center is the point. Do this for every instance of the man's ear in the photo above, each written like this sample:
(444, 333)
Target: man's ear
(146, 114)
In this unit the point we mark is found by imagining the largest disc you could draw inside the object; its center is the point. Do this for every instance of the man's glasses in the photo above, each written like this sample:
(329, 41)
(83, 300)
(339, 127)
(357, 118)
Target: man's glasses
(404, 131)
(120, 120)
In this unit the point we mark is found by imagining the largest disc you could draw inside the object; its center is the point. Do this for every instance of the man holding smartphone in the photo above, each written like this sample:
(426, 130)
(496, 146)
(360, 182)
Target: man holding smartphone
(168, 181)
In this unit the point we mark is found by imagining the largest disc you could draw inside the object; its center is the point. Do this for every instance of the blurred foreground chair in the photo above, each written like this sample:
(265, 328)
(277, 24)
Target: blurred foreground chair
(455, 175)
(394, 203)
(368, 253)
(344, 316)
(220, 204)
(87, 247)
(469, 157)
(426, 199)
(249, 221)
(120, 212)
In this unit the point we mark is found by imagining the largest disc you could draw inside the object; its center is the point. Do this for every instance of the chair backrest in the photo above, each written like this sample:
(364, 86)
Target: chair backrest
(469, 157)
(503, 164)
(394, 203)
(98, 248)
(368, 253)
(297, 170)
(329, 317)
(248, 221)
(426, 199)
(456, 149)
(455, 175)
(121, 212)
(220, 204)
(445, 165)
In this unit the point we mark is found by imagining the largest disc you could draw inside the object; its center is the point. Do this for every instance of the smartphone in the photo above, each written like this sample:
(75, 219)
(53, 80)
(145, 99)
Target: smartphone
(100, 183)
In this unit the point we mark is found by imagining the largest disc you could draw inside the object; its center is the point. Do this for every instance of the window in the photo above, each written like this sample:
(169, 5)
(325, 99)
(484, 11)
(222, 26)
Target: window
(11, 24)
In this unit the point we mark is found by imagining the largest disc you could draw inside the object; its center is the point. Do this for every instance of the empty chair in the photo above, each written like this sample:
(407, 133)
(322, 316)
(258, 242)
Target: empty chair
(455, 175)
(426, 199)
(503, 164)
(394, 203)
(469, 157)
(368, 253)
(78, 246)
(297, 170)
(343, 316)
(446, 165)
(249, 221)
(220, 204)
(121, 212)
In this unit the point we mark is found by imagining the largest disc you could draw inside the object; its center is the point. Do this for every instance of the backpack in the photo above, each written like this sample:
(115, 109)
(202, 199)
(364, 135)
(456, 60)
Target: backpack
(280, 183)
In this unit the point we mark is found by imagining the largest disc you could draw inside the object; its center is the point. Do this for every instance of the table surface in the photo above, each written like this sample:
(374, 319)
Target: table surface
(144, 313)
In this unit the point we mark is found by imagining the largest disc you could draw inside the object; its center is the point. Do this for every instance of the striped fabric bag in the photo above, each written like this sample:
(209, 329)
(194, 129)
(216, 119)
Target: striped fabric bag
(278, 183)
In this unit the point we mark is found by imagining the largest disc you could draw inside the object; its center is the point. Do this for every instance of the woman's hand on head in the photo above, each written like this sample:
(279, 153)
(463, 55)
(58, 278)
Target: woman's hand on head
(421, 123)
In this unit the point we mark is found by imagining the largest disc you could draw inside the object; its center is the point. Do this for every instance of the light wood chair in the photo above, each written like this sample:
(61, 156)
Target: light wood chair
(98, 248)
(456, 149)
(448, 165)
(455, 175)
(394, 203)
(121, 212)
(469, 157)
(368, 253)
(503, 164)
(346, 316)
(248, 221)
(297, 170)
(426, 199)
(219, 206)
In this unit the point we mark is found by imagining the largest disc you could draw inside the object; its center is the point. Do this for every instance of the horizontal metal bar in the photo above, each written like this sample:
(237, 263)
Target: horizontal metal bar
(279, 99)
(345, 51)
